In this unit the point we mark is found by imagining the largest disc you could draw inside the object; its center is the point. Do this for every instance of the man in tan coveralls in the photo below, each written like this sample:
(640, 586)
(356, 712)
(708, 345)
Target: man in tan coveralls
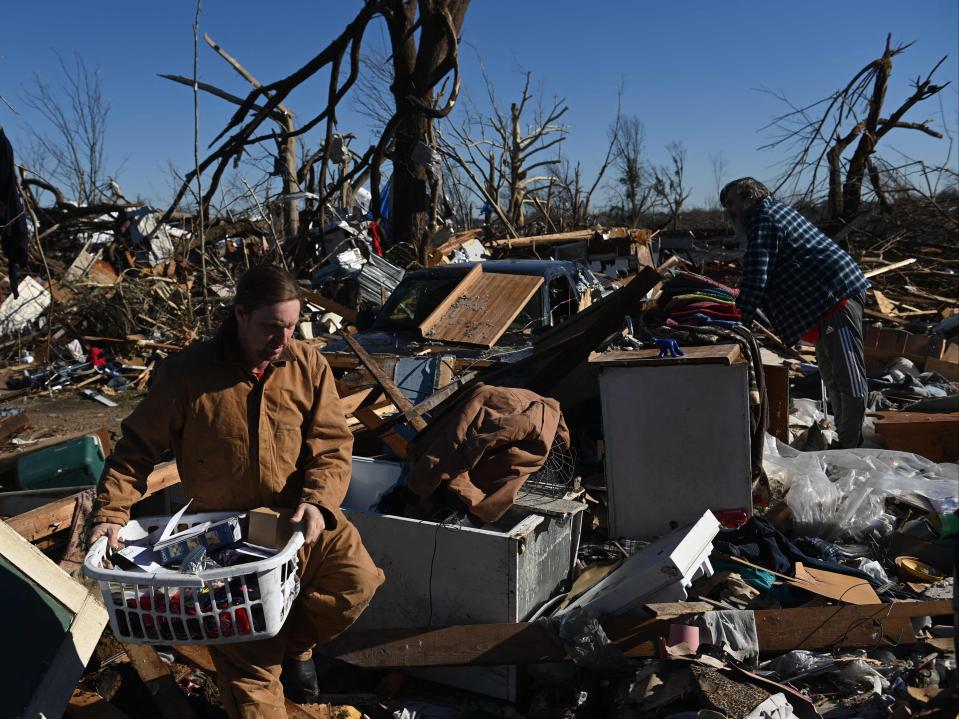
(254, 419)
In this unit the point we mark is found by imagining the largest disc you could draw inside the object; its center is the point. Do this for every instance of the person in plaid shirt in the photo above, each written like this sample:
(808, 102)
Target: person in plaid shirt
(809, 288)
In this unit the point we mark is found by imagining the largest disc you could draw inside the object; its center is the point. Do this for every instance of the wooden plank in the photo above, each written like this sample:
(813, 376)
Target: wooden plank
(456, 241)
(392, 391)
(933, 435)
(470, 644)
(481, 314)
(888, 268)
(11, 426)
(886, 306)
(315, 298)
(83, 618)
(849, 626)
(949, 370)
(707, 354)
(386, 433)
(779, 630)
(559, 238)
(354, 400)
(553, 239)
(469, 279)
(155, 673)
(44, 521)
(777, 394)
(435, 399)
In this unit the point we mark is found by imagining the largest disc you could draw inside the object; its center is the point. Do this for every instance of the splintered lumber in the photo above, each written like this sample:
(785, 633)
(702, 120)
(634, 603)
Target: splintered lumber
(354, 400)
(559, 238)
(434, 400)
(366, 413)
(392, 391)
(888, 268)
(325, 303)
(778, 630)
(43, 521)
(554, 239)
(456, 241)
(886, 306)
(155, 674)
(481, 308)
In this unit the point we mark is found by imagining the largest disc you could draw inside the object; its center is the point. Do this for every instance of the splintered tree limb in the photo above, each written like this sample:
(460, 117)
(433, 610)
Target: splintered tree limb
(819, 131)
(217, 92)
(250, 116)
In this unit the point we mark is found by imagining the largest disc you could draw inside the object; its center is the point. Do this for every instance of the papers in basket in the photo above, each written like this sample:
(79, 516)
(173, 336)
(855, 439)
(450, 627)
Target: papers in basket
(172, 546)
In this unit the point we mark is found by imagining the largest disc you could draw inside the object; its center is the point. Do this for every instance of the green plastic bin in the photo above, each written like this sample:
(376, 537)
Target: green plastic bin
(77, 463)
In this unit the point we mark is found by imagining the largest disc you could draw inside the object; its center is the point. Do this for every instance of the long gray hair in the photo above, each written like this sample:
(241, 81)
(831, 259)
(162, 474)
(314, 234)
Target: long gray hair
(743, 193)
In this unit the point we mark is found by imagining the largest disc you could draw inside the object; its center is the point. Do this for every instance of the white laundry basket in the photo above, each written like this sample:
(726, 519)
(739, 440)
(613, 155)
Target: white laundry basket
(217, 606)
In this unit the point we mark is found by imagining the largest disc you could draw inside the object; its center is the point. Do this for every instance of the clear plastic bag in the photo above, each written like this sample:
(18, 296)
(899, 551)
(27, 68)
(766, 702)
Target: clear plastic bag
(841, 493)
(799, 661)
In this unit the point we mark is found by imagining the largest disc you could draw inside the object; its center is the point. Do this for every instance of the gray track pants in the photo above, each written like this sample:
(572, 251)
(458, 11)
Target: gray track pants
(839, 353)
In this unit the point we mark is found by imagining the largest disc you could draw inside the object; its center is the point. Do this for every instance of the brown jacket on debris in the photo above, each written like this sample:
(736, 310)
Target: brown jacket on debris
(239, 443)
(487, 448)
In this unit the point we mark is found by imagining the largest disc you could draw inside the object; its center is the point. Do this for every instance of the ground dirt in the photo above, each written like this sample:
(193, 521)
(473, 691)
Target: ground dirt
(68, 413)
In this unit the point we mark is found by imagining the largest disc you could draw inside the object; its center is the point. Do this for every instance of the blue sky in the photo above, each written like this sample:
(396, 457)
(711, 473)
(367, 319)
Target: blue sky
(691, 70)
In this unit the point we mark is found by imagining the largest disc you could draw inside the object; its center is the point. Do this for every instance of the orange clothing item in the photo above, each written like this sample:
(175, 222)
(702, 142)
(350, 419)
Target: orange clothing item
(338, 580)
(487, 448)
(239, 442)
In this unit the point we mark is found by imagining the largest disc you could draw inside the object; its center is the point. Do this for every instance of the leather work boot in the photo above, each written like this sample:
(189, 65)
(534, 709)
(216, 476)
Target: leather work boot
(299, 681)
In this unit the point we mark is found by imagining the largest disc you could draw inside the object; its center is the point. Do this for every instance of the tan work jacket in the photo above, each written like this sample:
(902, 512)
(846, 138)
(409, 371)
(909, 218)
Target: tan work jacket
(240, 442)
(487, 448)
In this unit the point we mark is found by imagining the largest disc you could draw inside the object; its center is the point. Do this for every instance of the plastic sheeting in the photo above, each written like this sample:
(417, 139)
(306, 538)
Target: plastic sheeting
(841, 493)
(733, 630)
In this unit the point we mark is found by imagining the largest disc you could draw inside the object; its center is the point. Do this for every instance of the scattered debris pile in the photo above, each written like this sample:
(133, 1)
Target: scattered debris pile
(655, 522)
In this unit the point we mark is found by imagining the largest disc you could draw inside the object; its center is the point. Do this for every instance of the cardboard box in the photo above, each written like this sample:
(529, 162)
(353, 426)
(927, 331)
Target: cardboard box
(210, 535)
(270, 527)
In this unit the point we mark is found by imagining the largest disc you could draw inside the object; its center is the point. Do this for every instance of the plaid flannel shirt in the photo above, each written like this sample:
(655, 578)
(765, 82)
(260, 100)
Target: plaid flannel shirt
(793, 271)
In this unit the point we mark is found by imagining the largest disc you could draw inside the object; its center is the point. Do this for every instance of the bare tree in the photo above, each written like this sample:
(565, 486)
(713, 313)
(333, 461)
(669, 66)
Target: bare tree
(633, 173)
(522, 143)
(853, 118)
(71, 150)
(668, 183)
(720, 170)
(424, 40)
(501, 152)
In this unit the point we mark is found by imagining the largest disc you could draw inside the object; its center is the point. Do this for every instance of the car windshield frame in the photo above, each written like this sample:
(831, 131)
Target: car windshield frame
(414, 299)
